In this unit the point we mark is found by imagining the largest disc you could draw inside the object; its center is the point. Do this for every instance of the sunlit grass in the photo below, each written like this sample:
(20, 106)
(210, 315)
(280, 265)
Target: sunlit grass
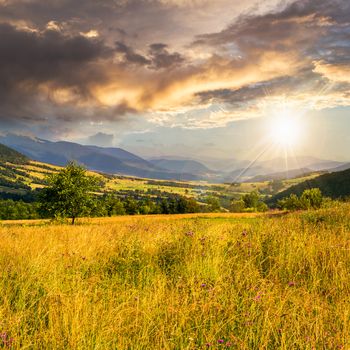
(219, 281)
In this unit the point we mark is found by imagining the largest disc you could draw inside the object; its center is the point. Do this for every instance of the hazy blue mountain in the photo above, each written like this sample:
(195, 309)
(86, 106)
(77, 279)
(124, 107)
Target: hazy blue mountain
(119, 161)
(340, 167)
(279, 168)
(312, 163)
(182, 166)
(282, 175)
(108, 160)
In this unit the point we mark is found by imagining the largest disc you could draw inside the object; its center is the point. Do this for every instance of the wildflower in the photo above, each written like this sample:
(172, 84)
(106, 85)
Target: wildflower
(203, 285)
(257, 297)
(6, 341)
(291, 284)
(244, 233)
(220, 341)
(189, 234)
(208, 345)
(203, 239)
(228, 344)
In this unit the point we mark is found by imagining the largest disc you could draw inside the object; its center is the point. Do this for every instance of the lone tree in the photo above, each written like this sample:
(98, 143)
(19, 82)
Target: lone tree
(69, 193)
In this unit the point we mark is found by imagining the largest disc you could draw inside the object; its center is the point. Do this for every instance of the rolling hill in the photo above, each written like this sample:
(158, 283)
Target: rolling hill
(334, 185)
(283, 175)
(10, 155)
(182, 166)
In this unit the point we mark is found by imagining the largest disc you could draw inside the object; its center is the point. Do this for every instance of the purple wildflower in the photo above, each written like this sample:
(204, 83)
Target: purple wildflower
(257, 297)
(220, 341)
(291, 284)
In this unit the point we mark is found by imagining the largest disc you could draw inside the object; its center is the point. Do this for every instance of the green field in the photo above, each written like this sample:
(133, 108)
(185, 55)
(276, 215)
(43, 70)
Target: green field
(216, 281)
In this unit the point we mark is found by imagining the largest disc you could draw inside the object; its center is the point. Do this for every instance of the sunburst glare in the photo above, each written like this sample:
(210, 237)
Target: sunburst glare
(285, 131)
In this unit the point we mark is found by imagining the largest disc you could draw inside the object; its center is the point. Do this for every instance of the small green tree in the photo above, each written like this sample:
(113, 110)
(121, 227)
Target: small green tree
(213, 204)
(289, 203)
(311, 199)
(251, 200)
(237, 206)
(69, 193)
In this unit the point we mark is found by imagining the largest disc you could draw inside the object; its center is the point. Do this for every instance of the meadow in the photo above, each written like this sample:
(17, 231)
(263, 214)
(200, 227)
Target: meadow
(215, 281)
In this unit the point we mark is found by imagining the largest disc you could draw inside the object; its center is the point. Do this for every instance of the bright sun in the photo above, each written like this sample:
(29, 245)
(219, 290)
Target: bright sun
(285, 131)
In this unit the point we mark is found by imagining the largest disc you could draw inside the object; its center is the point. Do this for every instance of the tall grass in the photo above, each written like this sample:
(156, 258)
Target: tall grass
(181, 283)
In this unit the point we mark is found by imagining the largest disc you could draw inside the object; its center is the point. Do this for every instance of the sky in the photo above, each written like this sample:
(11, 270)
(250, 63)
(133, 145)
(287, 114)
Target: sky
(184, 78)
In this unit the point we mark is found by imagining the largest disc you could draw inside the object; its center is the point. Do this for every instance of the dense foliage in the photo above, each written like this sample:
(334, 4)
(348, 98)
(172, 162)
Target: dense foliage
(249, 202)
(69, 193)
(18, 210)
(309, 199)
(10, 155)
(334, 185)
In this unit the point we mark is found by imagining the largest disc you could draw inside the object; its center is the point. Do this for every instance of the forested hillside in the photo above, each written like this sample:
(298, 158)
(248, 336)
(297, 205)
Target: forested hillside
(333, 185)
(10, 155)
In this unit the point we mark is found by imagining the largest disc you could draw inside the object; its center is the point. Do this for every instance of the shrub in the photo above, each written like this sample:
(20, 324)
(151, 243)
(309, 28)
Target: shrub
(310, 199)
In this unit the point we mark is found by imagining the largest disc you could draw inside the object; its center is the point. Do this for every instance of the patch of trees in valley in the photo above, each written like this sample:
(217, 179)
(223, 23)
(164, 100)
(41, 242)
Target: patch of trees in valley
(71, 193)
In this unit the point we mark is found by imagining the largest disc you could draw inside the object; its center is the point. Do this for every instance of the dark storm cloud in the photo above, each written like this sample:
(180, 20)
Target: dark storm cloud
(111, 17)
(73, 61)
(29, 61)
(130, 56)
(315, 32)
(315, 28)
(158, 56)
(162, 58)
(286, 85)
(49, 55)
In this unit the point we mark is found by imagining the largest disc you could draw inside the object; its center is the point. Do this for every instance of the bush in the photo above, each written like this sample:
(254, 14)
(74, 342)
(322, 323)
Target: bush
(310, 199)
(250, 202)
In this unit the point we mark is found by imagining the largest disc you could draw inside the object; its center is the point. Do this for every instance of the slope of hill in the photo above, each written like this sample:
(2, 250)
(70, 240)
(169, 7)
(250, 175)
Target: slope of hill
(341, 167)
(10, 155)
(182, 166)
(283, 175)
(276, 168)
(108, 160)
(300, 162)
(333, 185)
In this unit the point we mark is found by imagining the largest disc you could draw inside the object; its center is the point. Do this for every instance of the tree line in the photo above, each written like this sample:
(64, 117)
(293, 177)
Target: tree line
(71, 193)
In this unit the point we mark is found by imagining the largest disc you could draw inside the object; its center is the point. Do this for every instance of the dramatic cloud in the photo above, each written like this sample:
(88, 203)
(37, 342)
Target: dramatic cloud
(195, 64)
(313, 35)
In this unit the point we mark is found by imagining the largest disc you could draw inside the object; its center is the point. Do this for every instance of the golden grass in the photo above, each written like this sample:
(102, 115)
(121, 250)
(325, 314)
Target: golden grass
(178, 282)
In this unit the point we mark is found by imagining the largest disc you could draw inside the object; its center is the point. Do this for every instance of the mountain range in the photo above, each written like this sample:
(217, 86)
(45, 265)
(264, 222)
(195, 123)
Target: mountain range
(119, 161)
(107, 160)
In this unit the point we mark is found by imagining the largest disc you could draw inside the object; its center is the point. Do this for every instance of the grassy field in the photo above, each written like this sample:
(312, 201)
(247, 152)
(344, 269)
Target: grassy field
(214, 281)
